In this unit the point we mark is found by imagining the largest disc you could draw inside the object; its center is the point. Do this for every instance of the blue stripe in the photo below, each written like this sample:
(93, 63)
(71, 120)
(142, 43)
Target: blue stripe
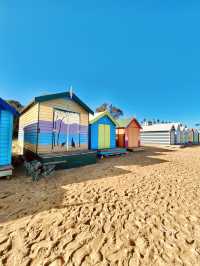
(6, 128)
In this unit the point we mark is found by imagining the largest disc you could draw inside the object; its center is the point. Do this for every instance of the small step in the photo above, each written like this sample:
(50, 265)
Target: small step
(135, 149)
(69, 160)
(111, 152)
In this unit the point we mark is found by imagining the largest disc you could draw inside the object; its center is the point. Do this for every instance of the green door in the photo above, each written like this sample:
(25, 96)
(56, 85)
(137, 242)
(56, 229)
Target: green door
(107, 136)
(104, 137)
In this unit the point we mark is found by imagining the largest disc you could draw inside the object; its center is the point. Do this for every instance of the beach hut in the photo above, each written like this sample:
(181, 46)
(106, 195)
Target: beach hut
(186, 135)
(183, 135)
(128, 133)
(54, 128)
(163, 134)
(103, 134)
(177, 127)
(7, 114)
(191, 136)
(196, 136)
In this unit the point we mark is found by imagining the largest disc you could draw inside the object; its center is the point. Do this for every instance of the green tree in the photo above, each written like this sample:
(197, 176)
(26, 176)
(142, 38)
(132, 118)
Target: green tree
(113, 110)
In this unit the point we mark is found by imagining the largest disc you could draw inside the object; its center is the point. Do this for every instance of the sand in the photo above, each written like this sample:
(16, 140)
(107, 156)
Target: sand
(142, 209)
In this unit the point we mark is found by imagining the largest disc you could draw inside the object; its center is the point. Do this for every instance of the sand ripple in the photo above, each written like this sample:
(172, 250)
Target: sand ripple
(143, 209)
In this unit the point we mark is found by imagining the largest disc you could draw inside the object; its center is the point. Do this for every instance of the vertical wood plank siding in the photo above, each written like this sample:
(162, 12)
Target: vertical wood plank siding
(27, 136)
(94, 132)
(191, 136)
(120, 137)
(6, 129)
(132, 135)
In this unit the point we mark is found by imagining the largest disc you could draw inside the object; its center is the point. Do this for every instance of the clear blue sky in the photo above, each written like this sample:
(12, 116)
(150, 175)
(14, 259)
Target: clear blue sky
(142, 55)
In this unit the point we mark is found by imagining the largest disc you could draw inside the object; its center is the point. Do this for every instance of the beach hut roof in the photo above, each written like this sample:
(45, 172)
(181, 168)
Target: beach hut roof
(176, 125)
(5, 106)
(94, 118)
(125, 122)
(183, 128)
(158, 127)
(57, 96)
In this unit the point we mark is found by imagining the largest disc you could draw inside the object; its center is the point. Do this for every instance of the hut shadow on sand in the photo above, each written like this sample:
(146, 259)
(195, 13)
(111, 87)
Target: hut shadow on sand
(21, 197)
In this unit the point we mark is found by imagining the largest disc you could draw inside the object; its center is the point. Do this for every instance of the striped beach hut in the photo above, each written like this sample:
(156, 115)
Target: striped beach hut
(182, 132)
(186, 135)
(102, 131)
(177, 127)
(191, 135)
(7, 114)
(196, 136)
(128, 133)
(183, 135)
(55, 128)
(163, 134)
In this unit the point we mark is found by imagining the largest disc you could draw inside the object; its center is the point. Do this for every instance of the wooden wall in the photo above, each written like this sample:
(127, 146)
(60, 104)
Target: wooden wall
(133, 136)
(6, 131)
(129, 137)
(27, 136)
(46, 113)
(94, 132)
(120, 137)
(191, 136)
(39, 118)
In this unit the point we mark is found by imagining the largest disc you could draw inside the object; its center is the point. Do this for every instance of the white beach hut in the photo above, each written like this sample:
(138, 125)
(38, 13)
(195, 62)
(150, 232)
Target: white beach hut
(158, 134)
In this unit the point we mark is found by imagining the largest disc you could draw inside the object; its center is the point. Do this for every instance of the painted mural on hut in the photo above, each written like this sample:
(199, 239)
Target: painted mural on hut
(66, 129)
(56, 123)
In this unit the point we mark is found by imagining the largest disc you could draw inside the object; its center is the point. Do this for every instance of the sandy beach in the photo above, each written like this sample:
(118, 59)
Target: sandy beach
(141, 209)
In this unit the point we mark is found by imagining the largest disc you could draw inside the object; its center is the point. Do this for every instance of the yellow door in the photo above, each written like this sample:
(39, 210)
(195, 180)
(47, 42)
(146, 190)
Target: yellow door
(107, 137)
(104, 136)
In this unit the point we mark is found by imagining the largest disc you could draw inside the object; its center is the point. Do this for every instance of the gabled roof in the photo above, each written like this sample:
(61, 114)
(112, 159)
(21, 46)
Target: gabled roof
(4, 105)
(176, 125)
(123, 123)
(94, 118)
(183, 128)
(49, 97)
(158, 127)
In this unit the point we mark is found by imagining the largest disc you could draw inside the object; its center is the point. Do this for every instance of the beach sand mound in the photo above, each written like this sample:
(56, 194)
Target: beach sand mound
(142, 209)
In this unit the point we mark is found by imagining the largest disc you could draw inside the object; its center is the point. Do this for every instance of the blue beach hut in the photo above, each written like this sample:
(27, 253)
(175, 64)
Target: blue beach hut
(102, 131)
(7, 114)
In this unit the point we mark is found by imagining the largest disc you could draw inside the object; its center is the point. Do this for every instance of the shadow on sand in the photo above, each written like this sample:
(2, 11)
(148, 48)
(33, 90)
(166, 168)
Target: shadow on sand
(21, 197)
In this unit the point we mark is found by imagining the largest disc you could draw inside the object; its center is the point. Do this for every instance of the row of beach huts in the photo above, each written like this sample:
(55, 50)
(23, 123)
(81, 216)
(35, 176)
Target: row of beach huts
(169, 134)
(61, 130)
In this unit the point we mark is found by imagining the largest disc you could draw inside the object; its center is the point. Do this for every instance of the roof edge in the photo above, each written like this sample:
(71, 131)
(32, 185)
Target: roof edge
(8, 107)
(105, 113)
(57, 96)
(135, 120)
(131, 120)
